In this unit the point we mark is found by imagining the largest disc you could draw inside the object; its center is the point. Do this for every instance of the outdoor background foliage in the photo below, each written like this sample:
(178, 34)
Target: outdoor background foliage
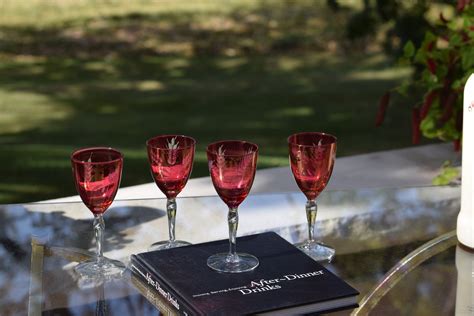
(443, 60)
(117, 72)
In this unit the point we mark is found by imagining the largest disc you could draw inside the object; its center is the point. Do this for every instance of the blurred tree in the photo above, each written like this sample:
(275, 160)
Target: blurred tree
(400, 21)
(333, 4)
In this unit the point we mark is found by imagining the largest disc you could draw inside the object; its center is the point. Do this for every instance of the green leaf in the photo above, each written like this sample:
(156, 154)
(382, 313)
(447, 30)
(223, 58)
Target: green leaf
(409, 50)
(441, 55)
(455, 40)
(442, 69)
(446, 175)
(429, 37)
(403, 87)
(428, 127)
(465, 77)
(457, 84)
(421, 56)
(467, 58)
(429, 78)
(448, 131)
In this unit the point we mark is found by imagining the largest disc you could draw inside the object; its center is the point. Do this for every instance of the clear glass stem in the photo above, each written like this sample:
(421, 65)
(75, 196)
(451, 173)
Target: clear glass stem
(99, 227)
(101, 306)
(311, 212)
(171, 210)
(233, 222)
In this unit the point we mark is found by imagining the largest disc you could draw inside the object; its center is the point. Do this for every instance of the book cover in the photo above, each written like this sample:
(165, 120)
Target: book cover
(286, 280)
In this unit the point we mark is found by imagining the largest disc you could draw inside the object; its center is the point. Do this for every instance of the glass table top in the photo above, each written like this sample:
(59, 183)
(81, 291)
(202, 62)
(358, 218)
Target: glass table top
(396, 246)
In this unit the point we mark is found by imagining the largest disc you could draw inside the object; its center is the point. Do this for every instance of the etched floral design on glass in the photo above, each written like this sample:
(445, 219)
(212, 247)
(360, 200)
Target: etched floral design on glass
(97, 172)
(171, 162)
(232, 165)
(312, 157)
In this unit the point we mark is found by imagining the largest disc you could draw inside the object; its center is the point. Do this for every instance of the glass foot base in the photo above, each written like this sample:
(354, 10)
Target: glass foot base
(317, 251)
(224, 262)
(92, 273)
(166, 244)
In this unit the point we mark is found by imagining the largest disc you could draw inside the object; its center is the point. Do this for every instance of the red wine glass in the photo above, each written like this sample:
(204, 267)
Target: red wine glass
(97, 172)
(171, 162)
(312, 157)
(232, 165)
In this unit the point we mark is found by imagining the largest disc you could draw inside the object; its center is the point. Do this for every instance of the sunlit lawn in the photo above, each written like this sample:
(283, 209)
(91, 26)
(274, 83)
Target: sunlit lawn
(119, 78)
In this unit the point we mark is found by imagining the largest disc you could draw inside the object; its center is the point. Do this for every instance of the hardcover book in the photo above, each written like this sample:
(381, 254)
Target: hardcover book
(160, 303)
(286, 281)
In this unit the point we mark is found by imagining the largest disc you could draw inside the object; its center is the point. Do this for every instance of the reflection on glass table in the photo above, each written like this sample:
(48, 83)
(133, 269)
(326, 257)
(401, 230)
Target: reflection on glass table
(419, 256)
(371, 229)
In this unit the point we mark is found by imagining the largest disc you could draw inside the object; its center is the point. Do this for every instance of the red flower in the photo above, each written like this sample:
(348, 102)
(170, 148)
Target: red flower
(430, 46)
(457, 145)
(448, 107)
(383, 104)
(461, 4)
(431, 65)
(427, 103)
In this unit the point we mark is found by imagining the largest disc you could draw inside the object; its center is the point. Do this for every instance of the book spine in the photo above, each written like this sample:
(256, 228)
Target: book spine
(161, 289)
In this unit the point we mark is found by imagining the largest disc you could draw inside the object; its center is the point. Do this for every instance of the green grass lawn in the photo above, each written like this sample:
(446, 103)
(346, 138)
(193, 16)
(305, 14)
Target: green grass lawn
(78, 74)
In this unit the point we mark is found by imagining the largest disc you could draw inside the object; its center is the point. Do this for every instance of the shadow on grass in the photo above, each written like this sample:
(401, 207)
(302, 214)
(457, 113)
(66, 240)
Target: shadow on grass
(118, 81)
(261, 28)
